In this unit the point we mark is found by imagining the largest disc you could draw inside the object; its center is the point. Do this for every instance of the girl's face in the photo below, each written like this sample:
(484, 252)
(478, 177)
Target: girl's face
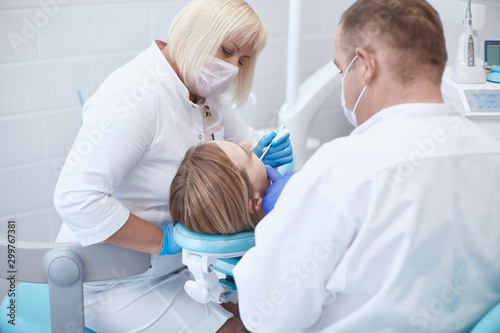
(244, 158)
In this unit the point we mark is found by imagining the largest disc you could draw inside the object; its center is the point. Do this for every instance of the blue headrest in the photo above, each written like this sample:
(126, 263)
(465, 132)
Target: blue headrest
(213, 243)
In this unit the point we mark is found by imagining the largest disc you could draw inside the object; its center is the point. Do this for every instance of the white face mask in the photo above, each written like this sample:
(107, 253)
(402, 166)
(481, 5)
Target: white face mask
(214, 78)
(351, 115)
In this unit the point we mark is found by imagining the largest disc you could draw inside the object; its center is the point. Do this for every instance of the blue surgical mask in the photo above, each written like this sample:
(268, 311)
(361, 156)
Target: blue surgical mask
(351, 115)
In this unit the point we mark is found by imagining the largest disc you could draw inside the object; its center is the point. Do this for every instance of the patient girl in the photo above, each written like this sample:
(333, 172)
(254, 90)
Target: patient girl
(218, 188)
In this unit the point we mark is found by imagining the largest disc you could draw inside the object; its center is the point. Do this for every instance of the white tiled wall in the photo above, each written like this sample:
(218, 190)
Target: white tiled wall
(51, 48)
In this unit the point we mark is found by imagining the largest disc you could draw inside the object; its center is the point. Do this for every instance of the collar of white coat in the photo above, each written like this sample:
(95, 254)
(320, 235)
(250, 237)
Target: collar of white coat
(410, 110)
(179, 85)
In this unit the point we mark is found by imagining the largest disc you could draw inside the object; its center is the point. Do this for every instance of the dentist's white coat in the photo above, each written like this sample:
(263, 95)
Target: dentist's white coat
(395, 228)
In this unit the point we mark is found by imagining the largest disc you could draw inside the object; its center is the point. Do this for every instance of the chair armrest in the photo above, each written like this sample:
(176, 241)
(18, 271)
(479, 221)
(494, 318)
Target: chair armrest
(101, 261)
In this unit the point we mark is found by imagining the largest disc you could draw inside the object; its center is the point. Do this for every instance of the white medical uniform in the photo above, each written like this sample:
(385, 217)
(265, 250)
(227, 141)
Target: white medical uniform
(136, 130)
(395, 228)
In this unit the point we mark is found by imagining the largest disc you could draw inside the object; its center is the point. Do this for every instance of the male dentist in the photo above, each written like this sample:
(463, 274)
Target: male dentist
(395, 228)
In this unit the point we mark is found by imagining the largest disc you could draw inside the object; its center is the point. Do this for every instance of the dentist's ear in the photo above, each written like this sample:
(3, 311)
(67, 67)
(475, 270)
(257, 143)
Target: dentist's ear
(255, 204)
(369, 64)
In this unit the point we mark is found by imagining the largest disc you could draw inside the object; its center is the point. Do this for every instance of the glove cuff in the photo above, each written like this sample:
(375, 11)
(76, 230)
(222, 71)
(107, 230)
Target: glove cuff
(167, 240)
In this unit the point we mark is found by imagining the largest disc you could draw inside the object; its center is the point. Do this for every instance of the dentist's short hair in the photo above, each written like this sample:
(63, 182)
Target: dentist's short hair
(412, 28)
(200, 28)
(210, 195)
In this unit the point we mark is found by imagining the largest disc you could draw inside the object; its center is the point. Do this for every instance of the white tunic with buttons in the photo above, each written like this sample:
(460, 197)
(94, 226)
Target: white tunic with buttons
(395, 228)
(136, 129)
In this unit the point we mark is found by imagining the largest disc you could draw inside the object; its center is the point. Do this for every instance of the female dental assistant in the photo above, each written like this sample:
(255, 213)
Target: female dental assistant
(136, 128)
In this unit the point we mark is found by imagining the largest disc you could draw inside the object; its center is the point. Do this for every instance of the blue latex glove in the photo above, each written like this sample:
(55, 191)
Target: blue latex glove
(280, 153)
(273, 192)
(169, 245)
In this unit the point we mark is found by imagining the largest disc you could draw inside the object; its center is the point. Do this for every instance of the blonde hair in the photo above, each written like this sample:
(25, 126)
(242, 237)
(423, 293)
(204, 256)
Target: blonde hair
(200, 28)
(210, 195)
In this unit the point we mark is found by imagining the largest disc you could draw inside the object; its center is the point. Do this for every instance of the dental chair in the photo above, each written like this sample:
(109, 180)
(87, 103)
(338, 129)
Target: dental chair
(50, 295)
(211, 259)
(52, 301)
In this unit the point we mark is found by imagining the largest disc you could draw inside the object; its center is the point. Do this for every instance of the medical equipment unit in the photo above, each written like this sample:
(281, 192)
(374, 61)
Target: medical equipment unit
(478, 102)
(468, 67)
(211, 259)
(467, 82)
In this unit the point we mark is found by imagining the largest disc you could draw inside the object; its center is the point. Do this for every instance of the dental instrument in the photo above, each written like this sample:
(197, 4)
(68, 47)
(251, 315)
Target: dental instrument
(470, 38)
(269, 146)
(468, 67)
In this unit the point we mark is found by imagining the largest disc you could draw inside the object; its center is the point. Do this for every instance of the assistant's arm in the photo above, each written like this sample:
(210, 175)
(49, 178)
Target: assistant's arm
(109, 143)
(141, 235)
(138, 234)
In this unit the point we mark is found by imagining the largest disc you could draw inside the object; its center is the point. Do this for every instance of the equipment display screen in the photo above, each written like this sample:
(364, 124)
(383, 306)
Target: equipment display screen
(483, 101)
(487, 101)
(493, 53)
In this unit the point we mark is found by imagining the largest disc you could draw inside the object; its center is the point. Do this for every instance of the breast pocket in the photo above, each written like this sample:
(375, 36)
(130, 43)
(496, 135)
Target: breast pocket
(215, 133)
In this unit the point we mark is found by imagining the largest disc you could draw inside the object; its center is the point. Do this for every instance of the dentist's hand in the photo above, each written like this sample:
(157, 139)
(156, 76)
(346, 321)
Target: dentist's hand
(274, 191)
(280, 153)
(169, 245)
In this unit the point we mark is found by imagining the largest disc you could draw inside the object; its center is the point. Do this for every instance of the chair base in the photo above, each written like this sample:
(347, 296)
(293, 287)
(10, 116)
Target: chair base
(30, 311)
